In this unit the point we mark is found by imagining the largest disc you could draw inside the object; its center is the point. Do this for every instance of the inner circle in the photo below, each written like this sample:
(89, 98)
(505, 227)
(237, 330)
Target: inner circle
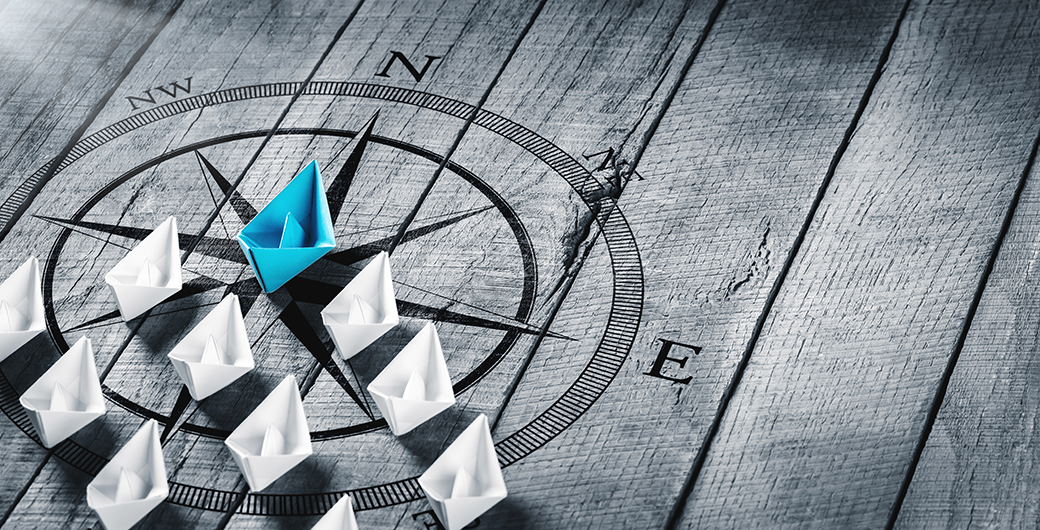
(525, 247)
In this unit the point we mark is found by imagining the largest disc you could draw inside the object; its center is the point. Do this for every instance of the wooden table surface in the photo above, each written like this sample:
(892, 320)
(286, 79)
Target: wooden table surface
(703, 264)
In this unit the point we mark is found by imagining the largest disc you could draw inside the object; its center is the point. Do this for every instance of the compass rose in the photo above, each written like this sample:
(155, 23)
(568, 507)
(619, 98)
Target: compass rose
(302, 290)
(431, 286)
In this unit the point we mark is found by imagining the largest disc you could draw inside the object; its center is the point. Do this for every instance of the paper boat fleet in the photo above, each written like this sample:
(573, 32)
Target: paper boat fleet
(133, 483)
(274, 438)
(293, 231)
(149, 273)
(216, 352)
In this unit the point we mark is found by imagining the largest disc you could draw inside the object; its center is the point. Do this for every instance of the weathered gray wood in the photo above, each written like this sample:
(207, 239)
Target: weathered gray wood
(59, 59)
(52, 73)
(565, 114)
(467, 71)
(978, 467)
(824, 423)
(235, 36)
(731, 172)
(197, 461)
(712, 240)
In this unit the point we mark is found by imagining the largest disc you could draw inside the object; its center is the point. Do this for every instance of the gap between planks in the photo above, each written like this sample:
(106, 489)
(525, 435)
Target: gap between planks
(94, 112)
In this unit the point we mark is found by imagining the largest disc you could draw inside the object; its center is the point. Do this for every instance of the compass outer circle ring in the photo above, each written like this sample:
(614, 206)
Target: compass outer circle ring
(611, 352)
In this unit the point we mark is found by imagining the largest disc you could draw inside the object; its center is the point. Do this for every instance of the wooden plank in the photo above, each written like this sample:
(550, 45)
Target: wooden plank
(826, 417)
(548, 211)
(731, 172)
(376, 27)
(711, 241)
(977, 467)
(479, 38)
(55, 69)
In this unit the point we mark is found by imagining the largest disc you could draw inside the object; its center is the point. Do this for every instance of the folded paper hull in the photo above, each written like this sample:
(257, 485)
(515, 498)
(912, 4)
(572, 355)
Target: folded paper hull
(205, 380)
(421, 359)
(149, 273)
(72, 379)
(471, 457)
(54, 427)
(133, 300)
(350, 339)
(274, 438)
(371, 293)
(289, 234)
(124, 516)
(457, 513)
(10, 341)
(204, 375)
(142, 455)
(23, 285)
(404, 415)
(274, 267)
(261, 471)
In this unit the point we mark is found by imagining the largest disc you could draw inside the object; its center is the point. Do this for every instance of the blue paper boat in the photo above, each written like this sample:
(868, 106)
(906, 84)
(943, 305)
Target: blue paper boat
(293, 231)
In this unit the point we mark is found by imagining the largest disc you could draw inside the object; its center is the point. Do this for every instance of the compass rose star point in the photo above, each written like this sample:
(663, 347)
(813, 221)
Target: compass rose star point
(300, 289)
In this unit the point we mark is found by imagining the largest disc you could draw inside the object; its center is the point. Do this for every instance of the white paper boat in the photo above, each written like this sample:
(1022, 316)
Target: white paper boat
(339, 517)
(415, 386)
(66, 397)
(274, 438)
(466, 480)
(21, 308)
(148, 274)
(364, 310)
(133, 483)
(216, 352)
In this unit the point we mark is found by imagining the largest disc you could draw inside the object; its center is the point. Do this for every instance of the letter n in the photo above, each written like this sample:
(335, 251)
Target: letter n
(398, 56)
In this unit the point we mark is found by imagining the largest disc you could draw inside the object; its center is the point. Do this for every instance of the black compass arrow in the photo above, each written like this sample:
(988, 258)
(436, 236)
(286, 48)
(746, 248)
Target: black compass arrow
(318, 292)
(215, 247)
(177, 415)
(355, 254)
(296, 321)
(341, 184)
(190, 288)
(247, 290)
(245, 211)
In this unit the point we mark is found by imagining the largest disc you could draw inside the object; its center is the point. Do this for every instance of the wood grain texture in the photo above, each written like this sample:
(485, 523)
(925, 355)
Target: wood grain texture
(709, 236)
(978, 469)
(54, 69)
(59, 59)
(825, 420)
(258, 32)
(431, 270)
(548, 208)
